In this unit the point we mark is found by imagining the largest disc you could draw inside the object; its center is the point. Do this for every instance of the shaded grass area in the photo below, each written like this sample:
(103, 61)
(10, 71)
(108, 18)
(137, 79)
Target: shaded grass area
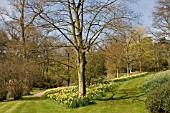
(128, 98)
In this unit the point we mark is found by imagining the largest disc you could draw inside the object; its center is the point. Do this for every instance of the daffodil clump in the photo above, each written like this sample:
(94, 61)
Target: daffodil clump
(68, 96)
(125, 78)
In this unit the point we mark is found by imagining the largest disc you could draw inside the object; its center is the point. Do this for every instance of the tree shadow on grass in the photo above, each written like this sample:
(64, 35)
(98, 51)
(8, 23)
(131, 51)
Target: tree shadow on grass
(125, 94)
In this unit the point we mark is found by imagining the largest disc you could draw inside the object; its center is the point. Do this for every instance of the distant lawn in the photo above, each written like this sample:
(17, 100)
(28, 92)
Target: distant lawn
(37, 90)
(127, 99)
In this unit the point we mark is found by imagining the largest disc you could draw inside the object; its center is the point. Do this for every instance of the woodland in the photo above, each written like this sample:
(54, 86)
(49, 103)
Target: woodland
(78, 43)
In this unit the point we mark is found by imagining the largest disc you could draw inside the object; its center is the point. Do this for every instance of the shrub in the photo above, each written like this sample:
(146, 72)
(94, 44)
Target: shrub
(158, 100)
(156, 80)
(3, 87)
(16, 76)
(3, 93)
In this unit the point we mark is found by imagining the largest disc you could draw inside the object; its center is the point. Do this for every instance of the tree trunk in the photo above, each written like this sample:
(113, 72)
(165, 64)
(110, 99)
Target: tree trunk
(68, 82)
(127, 69)
(157, 61)
(81, 72)
(157, 66)
(140, 66)
(68, 69)
(117, 72)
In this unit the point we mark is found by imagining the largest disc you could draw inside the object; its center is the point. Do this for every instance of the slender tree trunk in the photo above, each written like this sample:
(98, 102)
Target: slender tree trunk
(81, 72)
(140, 62)
(127, 60)
(22, 24)
(157, 65)
(117, 72)
(68, 82)
(140, 66)
(157, 61)
(68, 69)
(127, 69)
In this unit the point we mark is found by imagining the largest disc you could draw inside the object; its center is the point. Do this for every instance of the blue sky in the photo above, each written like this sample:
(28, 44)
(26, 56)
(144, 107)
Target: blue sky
(145, 7)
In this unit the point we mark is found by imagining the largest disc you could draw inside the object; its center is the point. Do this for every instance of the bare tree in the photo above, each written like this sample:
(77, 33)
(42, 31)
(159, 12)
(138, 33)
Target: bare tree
(113, 52)
(81, 23)
(161, 24)
(161, 18)
(19, 24)
(138, 47)
(19, 19)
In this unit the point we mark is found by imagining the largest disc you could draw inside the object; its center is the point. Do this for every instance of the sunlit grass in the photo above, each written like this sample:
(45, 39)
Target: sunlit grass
(128, 98)
(37, 90)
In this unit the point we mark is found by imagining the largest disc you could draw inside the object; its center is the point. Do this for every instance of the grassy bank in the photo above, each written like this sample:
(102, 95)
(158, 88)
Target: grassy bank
(128, 98)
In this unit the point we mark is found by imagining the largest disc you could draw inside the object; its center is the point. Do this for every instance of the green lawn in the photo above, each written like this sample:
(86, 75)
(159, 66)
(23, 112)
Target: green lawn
(37, 90)
(127, 99)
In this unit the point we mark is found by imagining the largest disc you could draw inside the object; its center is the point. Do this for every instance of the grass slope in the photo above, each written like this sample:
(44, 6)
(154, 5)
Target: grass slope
(128, 98)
